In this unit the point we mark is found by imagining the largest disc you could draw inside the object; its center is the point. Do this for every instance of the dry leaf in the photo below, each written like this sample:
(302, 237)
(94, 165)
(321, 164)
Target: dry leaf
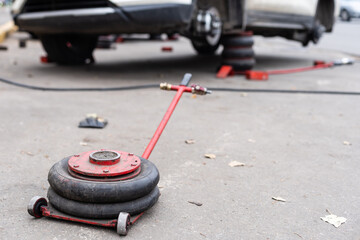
(236, 164)
(209, 155)
(190, 141)
(83, 144)
(334, 220)
(347, 143)
(251, 140)
(28, 153)
(279, 199)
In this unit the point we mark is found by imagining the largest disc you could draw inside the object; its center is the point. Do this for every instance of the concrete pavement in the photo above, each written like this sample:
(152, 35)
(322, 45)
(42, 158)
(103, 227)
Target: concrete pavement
(303, 148)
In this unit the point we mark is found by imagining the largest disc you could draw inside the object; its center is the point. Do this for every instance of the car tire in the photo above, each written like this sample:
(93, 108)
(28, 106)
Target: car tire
(203, 47)
(69, 49)
(345, 16)
(102, 210)
(87, 191)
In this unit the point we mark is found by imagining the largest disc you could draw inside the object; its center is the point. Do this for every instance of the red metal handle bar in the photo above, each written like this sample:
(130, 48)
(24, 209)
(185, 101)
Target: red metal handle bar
(180, 90)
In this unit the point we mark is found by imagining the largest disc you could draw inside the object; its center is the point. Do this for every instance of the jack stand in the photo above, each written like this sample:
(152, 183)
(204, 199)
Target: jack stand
(226, 71)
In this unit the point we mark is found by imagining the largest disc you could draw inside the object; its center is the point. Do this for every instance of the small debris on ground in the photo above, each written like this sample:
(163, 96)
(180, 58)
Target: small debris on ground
(190, 141)
(167, 49)
(209, 155)
(251, 140)
(83, 144)
(298, 235)
(196, 203)
(279, 199)
(333, 219)
(347, 143)
(236, 164)
(243, 94)
(93, 121)
(27, 153)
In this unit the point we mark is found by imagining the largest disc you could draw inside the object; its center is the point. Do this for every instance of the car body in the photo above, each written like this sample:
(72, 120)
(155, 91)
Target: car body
(349, 9)
(204, 22)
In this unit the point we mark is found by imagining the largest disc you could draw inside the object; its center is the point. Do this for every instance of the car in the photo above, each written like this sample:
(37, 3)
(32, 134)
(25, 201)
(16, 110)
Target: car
(69, 29)
(349, 9)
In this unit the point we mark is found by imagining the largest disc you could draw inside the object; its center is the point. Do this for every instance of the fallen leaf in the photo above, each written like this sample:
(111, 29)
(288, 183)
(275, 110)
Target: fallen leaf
(334, 220)
(28, 153)
(279, 199)
(347, 143)
(83, 144)
(209, 155)
(196, 203)
(190, 141)
(236, 164)
(251, 140)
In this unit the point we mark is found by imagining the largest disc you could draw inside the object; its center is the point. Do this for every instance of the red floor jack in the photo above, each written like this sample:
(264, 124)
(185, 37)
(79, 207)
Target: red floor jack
(107, 188)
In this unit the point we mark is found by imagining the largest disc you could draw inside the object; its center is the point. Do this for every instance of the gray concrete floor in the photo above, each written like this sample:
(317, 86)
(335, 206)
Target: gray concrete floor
(292, 144)
(4, 15)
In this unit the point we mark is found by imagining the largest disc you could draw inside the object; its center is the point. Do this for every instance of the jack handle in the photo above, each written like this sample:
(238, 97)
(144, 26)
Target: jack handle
(194, 88)
(180, 89)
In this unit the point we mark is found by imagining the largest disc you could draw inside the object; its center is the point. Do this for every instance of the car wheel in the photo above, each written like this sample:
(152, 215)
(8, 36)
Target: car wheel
(209, 43)
(69, 49)
(204, 47)
(345, 16)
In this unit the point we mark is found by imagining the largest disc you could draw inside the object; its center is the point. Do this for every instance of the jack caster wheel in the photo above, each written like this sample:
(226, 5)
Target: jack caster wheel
(123, 224)
(34, 206)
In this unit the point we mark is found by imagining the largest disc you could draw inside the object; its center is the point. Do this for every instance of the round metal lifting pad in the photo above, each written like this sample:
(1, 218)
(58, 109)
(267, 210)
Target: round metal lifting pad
(104, 163)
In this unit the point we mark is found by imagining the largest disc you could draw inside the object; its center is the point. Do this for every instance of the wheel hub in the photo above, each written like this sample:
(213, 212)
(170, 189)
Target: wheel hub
(104, 163)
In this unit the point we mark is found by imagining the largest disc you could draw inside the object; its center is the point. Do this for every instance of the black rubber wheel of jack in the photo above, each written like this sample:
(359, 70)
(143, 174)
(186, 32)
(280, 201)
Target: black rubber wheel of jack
(240, 52)
(203, 47)
(69, 49)
(103, 192)
(102, 210)
(237, 41)
(240, 64)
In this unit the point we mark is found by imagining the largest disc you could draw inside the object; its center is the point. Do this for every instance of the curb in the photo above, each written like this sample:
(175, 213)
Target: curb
(6, 29)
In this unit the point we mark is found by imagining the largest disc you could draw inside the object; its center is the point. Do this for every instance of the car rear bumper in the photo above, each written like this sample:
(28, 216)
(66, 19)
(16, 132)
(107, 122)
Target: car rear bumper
(155, 18)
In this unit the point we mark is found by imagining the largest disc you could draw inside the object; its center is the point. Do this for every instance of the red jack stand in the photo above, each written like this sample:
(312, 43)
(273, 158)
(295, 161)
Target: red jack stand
(226, 71)
(107, 188)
